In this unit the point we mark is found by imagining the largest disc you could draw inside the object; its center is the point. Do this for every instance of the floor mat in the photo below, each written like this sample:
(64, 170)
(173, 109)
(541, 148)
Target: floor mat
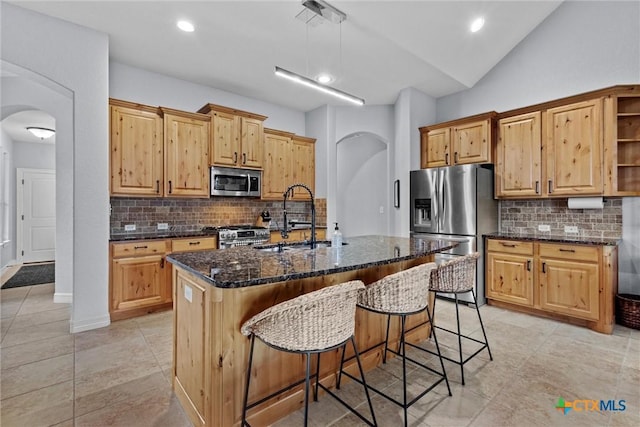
(32, 275)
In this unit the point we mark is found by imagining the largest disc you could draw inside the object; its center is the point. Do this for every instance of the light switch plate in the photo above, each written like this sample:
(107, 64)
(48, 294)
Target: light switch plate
(570, 229)
(163, 226)
(544, 227)
(130, 227)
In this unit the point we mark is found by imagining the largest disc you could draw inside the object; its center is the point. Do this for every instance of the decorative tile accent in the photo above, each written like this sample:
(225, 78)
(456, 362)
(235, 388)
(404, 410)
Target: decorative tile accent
(524, 216)
(192, 214)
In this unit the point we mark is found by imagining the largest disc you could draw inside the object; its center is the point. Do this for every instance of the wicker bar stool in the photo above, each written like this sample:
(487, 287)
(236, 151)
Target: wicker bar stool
(401, 294)
(458, 277)
(312, 323)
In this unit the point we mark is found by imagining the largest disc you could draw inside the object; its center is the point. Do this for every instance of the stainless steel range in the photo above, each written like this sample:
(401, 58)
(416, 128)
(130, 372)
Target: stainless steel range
(242, 235)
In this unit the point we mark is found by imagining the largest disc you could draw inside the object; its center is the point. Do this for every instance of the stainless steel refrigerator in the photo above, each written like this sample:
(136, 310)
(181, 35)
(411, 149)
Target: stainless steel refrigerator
(455, 203)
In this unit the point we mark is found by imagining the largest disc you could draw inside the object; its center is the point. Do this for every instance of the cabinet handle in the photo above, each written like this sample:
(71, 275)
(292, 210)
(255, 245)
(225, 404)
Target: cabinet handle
(567, 250)
(235, 157)
(244, 158)
(162, 263)
(140, 247)
(158, 186)
(508, 245)
(544, 267)
(537, 187)
(455, 158)
(169, 187)
(528, 265)
(446, 158)
(550, 186)
(194, 243)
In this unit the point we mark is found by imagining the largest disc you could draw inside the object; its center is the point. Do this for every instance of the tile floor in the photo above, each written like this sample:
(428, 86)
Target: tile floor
(119, 375)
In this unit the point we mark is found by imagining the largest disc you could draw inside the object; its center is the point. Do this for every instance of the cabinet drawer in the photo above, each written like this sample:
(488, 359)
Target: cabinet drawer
(194, 244)
(510, 246)
(139, 248)
(573, 252)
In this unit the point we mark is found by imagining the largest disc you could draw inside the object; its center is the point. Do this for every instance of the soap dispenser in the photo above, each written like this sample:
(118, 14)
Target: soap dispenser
(336, 238)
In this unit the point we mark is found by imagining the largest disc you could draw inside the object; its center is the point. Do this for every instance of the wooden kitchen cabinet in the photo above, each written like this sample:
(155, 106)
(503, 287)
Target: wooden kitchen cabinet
(575, 283)
(136, 150)
(237, 137)
(574, 144)
(458, 142)
(510, 271)
(303, 165)
(518, 156)
(187, 153)
(140, 278)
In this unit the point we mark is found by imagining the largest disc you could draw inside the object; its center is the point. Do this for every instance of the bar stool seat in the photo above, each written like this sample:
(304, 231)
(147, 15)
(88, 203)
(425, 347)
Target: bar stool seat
(401, 294)
(312, 323)
(458, 276)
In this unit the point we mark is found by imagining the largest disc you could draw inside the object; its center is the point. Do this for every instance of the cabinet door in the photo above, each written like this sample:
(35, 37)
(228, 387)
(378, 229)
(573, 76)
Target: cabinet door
(187, 152)
(437, 148)
(139, 282)
(519, 156)
(471, 143)
(303, 167)
(569, 287)
(277, 166)
(252, 143)
(136, 152)
(574, 148)
(509, 278)
(225, 149)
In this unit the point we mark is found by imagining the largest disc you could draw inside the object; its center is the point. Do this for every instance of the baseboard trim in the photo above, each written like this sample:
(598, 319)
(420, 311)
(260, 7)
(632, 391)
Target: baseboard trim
(63, 298)
(89, 324)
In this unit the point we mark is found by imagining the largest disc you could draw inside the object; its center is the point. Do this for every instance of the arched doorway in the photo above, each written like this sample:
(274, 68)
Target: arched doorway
(362, 185)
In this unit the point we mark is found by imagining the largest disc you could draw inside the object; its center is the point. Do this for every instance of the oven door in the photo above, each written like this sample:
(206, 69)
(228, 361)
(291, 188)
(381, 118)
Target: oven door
(235, 182)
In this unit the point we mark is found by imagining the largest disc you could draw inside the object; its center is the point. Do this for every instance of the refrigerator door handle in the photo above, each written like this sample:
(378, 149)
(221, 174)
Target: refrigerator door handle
(442, 198)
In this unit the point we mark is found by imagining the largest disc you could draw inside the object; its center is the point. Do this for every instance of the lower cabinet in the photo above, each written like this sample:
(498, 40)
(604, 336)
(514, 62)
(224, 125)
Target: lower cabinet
(140, 276)
(570, 282)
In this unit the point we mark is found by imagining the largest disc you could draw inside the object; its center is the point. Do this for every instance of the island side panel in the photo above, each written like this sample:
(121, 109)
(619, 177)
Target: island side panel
(222, 372)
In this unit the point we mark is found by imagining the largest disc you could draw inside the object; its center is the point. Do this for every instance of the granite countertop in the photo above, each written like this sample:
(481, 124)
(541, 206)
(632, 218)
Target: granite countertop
(546, 237)
(161, 235)
(246, 266)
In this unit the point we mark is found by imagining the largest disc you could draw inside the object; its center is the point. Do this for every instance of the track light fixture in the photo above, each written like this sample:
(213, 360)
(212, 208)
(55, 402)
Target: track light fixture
(297, 78)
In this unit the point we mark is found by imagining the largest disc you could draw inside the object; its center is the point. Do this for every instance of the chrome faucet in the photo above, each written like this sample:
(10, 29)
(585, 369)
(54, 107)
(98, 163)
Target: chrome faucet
(284, 232)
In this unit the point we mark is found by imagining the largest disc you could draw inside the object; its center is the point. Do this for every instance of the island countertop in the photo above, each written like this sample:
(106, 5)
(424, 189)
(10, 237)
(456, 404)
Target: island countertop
(247, 266)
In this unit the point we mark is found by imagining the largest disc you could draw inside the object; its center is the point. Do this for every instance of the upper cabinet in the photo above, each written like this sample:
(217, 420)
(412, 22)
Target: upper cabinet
(288, 159)
(583, 145)
(136, 150)
(237, 138)
(458, 142)
(186, 152)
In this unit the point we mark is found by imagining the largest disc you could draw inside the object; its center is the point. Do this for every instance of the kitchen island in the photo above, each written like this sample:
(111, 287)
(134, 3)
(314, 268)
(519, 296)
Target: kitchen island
(215, 292)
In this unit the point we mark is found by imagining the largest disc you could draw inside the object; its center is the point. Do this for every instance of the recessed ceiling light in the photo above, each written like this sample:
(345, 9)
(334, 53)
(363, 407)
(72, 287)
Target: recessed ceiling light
(477, 24)
(324, 78)
(186, 26)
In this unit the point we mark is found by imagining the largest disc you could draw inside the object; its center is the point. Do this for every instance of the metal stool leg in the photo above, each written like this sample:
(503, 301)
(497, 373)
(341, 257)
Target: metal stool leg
(435, 297)
(315, 390)
(486, 341)
(435, 340)
(306, 390)
(459, 340)
(386, 340)
(246, 389)
(344, 351)
(364, 383)
(404, 370)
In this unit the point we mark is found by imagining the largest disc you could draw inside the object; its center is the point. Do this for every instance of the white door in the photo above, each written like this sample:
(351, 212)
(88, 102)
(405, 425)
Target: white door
(36, 202)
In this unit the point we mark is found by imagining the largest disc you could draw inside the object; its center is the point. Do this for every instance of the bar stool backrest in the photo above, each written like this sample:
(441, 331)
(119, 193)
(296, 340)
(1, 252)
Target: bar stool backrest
(457, 275)
(399, 293)
(315, 321)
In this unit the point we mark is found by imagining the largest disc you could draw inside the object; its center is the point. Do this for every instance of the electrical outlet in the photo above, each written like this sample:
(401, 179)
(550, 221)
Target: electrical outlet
(381, 209)
(544, 227)
(163, 226)
(130, 227)
(570, 229)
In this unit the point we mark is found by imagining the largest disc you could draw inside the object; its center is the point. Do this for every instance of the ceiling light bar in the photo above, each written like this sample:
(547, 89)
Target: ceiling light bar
(315, 85)
(325, 10)
(42, 133)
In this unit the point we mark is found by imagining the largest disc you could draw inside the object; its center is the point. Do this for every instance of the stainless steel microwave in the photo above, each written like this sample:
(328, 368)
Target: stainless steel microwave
(235, 182)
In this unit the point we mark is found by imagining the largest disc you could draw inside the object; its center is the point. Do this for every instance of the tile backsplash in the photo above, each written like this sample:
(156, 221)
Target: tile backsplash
(193, 214)
(524, 216)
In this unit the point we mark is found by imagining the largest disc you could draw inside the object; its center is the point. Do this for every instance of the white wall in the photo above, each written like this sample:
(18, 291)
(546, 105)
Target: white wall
(145, 87)
(33, 155)
(582, 46)
(75, 58)
(8, 250)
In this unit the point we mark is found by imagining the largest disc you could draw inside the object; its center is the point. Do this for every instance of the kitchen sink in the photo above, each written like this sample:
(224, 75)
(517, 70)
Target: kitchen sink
(275, 247)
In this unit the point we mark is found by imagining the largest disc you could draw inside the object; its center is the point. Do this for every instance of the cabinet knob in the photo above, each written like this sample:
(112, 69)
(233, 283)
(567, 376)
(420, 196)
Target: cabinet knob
(537, 187)
(244, 158)
(158, 186)
(194, 243)
(455, 158)
(140, 247)
(528, 265)
(544, 267)
(170, 187)
(567, 250)
(550, 186)
(446, 158)
(235, 157)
